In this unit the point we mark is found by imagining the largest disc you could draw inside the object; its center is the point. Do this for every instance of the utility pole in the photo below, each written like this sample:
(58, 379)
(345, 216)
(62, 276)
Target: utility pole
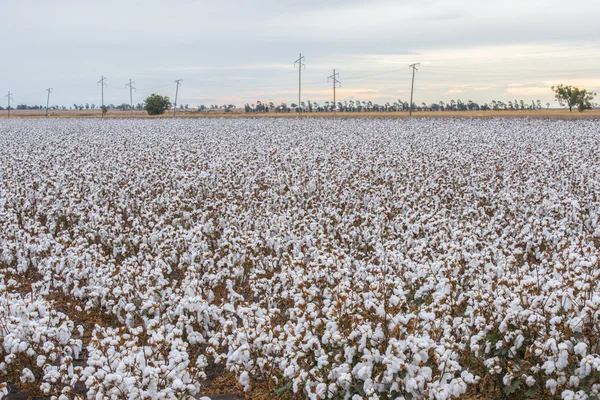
(49, 90)
(412, 86)
(335, 81)
(9, 96)
(102, 83)
(131, 89)
(178, 82)
(300, 65)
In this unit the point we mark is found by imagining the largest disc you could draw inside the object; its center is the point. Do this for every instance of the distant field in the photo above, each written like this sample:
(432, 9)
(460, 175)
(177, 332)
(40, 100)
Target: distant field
(552, 113)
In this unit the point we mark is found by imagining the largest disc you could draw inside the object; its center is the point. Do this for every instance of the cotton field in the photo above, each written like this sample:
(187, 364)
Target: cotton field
(307, 259)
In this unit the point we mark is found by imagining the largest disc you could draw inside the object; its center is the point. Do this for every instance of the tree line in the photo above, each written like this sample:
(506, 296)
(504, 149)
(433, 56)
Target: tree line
(86, 106)
(369, 106)
(155, 104)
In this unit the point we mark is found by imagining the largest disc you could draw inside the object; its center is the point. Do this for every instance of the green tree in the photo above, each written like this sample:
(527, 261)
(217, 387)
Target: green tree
(157, 104)
(570, 96)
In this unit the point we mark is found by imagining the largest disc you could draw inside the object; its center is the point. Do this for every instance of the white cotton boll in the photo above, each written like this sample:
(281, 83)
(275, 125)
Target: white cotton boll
(426, 373)
(519, 341)
(289, 371)
(551, 384)
(333, 388)
(467, 377)
(41, 360)
(568, 395)
(530, 381)
(22, 347)
(411, 384)
(580, 349)
(44, 387)
(177, 384)
(244, 380)
(549, 367)
(457, 389)
(321, 390)
(574, 381)
(48, 347)
(27, 376)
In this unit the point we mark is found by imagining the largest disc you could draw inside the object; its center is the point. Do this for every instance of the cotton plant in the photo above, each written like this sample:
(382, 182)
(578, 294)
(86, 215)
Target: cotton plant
(348, 259)
(39, 345)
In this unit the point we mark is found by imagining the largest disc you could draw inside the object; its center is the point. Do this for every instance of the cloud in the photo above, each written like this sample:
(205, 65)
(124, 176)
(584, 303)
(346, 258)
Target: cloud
(455, 91)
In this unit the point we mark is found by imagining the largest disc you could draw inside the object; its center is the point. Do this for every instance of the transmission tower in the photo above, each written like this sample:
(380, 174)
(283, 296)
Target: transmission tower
(178, 82)
(49, 90)
(9, 96)
(300, 63)
(335, 82)
(102, 83)
(131, 89)
(415, 69)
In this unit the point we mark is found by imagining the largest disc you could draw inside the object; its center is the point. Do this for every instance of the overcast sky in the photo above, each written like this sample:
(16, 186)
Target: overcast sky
(242, 51)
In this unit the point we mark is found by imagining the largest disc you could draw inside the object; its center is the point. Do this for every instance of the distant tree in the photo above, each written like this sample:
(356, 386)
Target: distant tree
(104, 110)
(547, 105)
(570, 96)
(157, 104)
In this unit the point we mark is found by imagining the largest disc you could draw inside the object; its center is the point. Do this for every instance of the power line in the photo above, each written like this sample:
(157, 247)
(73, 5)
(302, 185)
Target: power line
(131, 89)
(412, 86)
(300, 65)
(49, 90)
(178, 82)
(102, 83)
(9, 96)
(335, 82)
